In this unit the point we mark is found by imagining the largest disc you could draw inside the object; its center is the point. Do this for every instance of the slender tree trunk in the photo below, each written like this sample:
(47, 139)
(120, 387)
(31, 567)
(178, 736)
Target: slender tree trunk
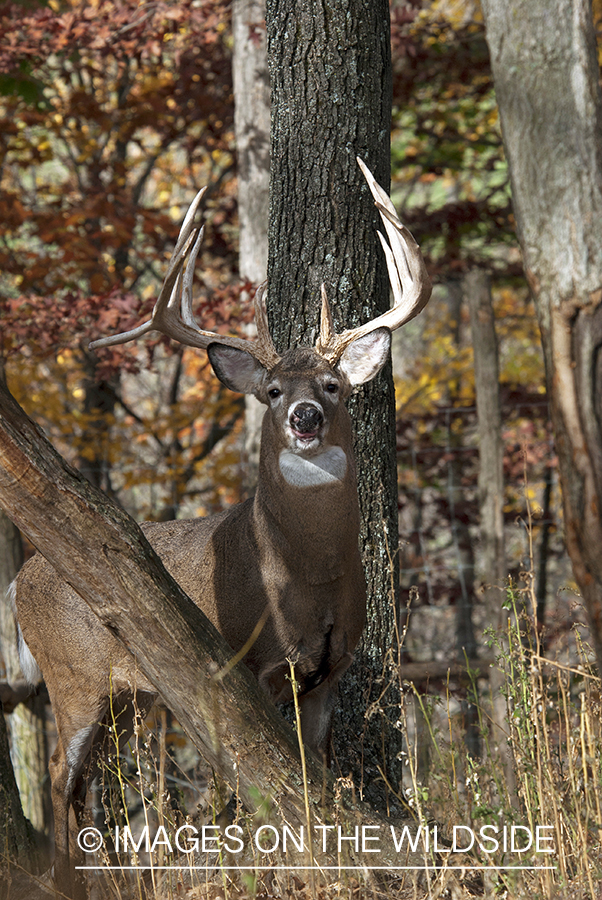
(16, 836)
(27, 723)
(99, 404)
(477, 290)
(541, 590)
(546, 73)
(252, 131)
(15, 833)
(331, 100)
(466, 645)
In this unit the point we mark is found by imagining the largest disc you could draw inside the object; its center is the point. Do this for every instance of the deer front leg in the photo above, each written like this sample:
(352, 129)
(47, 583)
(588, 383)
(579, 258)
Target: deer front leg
(317, 710)
(68, 779)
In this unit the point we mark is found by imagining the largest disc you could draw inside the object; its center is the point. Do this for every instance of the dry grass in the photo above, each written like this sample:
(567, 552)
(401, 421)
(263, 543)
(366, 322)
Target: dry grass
(555, 738)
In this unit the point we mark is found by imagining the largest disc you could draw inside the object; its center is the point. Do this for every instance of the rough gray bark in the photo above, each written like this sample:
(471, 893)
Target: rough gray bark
(546, 75)
(331, 100)
(252, 132)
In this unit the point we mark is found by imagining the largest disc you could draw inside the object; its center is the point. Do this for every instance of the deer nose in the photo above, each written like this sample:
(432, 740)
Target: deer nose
(306, 418)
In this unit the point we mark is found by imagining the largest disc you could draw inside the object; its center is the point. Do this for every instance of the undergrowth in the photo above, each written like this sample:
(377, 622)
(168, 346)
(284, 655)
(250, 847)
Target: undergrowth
(548, 791)
(522, 819)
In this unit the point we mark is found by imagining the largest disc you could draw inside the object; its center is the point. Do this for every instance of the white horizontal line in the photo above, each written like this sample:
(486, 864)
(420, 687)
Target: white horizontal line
(313, 868)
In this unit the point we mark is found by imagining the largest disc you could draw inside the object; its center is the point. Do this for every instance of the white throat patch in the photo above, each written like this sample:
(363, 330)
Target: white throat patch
(327, 467)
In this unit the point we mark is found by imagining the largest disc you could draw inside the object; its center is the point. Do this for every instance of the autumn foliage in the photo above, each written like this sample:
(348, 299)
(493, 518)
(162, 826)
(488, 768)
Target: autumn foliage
(112, 115)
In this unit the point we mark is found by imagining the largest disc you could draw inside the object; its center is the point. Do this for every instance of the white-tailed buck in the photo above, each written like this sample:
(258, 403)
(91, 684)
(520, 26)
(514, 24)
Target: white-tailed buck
(289, 555)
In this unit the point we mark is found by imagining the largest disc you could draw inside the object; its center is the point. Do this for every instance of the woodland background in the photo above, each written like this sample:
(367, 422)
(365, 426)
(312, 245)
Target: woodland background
(112, 115)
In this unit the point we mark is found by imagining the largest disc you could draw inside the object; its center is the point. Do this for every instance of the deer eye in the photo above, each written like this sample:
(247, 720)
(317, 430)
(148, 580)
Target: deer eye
(274, 393)
(332, 387)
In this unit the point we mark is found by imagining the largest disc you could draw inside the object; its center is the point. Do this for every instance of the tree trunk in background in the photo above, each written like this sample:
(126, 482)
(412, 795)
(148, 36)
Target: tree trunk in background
(252, 131)
(14, 831)
(545, 68)
(27, 723)
(541, 587)
(466, 644)
(16, 838)
(99, 404)
(331, 100)
(252, 128)
(477, 290)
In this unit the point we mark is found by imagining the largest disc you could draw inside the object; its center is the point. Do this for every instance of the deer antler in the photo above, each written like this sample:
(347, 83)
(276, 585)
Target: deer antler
(409, 280)
(172, 314)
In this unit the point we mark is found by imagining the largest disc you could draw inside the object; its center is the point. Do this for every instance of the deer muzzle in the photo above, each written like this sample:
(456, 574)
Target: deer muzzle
(305, 421)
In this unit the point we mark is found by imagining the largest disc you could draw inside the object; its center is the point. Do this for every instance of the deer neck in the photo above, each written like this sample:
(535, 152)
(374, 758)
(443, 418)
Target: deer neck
(307, 507)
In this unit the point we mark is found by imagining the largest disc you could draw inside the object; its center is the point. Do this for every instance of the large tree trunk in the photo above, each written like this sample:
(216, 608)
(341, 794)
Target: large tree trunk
(545, 68)
(252, 131)
(331, 100)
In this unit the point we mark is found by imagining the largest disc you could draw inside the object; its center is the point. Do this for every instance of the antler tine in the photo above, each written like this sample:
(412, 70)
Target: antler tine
(263, 344)
(186, 286)
(326, 330)
(172, 313)
(171, 285)
(410, 283)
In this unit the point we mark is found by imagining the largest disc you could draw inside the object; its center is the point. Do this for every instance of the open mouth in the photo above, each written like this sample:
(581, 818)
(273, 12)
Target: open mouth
(306, 436)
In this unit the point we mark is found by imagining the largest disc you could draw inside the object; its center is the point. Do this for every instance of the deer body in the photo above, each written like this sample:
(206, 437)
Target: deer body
(288, 557)
(292, 549)
(280, 576)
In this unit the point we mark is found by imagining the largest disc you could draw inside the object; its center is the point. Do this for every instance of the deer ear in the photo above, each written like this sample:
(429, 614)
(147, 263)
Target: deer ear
(365, 357)
(237, 369)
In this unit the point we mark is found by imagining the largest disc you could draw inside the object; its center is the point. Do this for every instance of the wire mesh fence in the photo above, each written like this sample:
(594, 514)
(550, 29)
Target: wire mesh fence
(439, 523)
